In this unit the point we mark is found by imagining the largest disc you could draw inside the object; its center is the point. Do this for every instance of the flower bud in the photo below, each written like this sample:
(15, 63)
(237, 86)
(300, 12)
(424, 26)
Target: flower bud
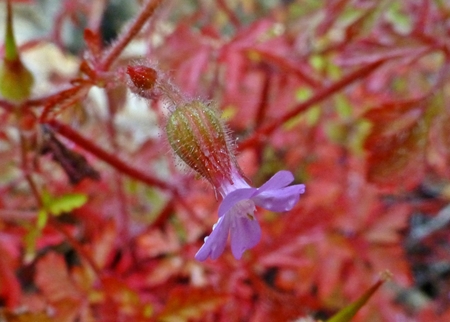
(199, 138)
(16, 80)
(142, 77)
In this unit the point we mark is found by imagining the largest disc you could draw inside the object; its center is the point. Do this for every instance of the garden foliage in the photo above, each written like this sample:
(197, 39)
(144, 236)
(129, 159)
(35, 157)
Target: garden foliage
(101, 221)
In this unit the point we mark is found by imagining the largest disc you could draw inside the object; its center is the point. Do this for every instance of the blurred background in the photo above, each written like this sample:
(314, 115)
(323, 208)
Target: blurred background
(349, 95)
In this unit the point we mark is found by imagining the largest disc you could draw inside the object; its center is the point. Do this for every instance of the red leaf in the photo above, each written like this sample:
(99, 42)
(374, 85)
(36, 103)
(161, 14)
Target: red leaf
(440, 143)
(9, 286)
(52, 277)
(8, 316)
(396, 143)
(103, 244)
(187, 303)
(122, 303)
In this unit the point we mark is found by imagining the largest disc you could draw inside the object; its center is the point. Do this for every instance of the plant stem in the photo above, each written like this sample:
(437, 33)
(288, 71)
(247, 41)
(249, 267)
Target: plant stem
(120, 165)
(129, 34)
(123, 218)
(76, 245)
(320, 95)
(231, 15)
(107, 157)
(73, 242)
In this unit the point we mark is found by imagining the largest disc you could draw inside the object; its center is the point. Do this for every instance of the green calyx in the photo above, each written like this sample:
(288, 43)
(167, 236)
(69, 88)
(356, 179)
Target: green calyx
(198, 137)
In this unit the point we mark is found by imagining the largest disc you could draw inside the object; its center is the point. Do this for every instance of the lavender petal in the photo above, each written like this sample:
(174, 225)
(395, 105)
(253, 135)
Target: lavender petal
(245, 234)
(278, 180)
(215, 243)
(280, 200)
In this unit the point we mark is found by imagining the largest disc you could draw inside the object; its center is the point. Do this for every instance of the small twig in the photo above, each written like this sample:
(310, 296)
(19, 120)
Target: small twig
(286, 66)
(320, 95)
(7, 106)
(124, 215)
(126, 37)
(263, 102)
(26, 169)
(73, 242)
(15, 215)
(76, 245)
(120, 165)
(265, 95)
(231, 15)
(107, 157)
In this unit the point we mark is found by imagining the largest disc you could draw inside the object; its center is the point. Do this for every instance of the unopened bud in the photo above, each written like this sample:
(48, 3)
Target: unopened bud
(16, 80)
(142, 78)
(199, 138)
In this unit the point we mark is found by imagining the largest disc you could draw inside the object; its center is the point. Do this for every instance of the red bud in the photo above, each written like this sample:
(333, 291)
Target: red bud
(143, 77)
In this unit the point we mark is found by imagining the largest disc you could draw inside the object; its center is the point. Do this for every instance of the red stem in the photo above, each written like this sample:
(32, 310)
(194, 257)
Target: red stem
(76, 245)
(124, 215)
(231, 15)
(125, 38)
(7, 106)
(107, 157)
(120, 165)
(263, 103)
(35, 191)
(286, 66)
(55, 98)
(320, 95)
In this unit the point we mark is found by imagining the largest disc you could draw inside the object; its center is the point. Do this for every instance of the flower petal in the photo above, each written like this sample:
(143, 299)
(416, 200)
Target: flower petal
(278, 180)
(215, 243)
(245, 233)
(280, 200)
(234, 197)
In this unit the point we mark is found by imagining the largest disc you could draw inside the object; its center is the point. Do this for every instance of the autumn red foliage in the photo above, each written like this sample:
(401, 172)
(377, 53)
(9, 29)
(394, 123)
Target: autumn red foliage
(98, 222)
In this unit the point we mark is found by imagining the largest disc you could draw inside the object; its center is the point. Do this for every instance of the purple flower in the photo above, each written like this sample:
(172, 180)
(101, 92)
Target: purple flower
(236, 212)
(199, 137)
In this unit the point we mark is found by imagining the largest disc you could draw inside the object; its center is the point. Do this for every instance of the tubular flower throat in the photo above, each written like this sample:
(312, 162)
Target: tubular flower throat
(200, 139)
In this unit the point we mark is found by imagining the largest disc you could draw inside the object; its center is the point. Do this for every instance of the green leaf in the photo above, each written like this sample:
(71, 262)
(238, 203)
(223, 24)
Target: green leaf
(29, 241)
(66, 203)
(348, 312)
(402, 22)
(343, 107)
(42, 219)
